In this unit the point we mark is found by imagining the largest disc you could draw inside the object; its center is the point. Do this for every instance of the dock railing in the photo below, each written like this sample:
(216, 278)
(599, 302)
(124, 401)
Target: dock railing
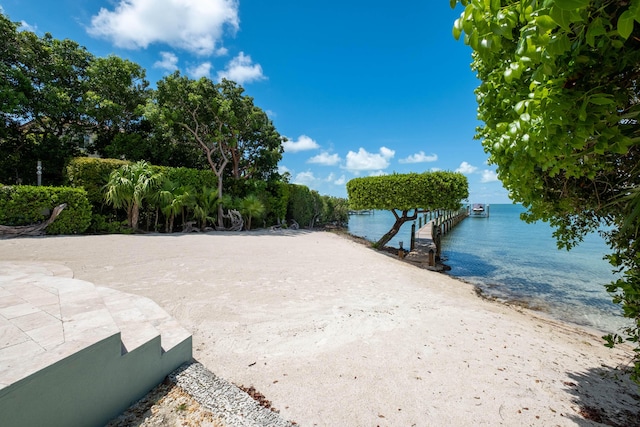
(426, 242)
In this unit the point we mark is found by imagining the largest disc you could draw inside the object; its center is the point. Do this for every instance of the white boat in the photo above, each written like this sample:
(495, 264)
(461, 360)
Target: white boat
(479, 210)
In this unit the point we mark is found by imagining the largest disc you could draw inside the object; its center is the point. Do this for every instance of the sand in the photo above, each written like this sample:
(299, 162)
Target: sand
(334, 333)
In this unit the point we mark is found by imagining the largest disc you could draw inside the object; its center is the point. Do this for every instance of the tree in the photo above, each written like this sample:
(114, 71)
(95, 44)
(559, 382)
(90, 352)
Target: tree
(42, 113)
(335, 210)
(205, 204)
(13, 83)
(217, 119)
(129, 186)
(251, 207)
(559, 98)
(257, 146)
(402, 193)
(115, 97)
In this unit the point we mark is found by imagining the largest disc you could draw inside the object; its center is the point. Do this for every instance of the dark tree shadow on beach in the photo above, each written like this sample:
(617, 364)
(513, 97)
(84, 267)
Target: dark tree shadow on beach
(604, 395)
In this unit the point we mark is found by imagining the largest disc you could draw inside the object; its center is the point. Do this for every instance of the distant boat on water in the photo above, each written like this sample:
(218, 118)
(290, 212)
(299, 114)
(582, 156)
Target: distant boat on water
(361, 212)
(479, 210)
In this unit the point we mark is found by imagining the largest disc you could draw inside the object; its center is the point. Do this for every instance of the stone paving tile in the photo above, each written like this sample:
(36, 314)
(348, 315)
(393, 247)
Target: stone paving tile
(35, 320)
(18, 310)
(10, 300)
(53, 310)
(95, 324)
(49, 336)
(72, 307)
(18, 355)
(11, 335)
(37, 296)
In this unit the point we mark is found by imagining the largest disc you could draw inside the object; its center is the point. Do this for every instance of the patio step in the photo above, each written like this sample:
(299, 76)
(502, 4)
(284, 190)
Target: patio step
(65, 341)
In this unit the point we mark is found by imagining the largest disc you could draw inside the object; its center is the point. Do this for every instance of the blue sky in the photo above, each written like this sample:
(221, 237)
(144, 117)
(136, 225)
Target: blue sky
(357, 87)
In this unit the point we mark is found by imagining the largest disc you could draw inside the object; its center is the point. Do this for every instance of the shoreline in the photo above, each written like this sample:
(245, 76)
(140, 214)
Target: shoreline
(513, 301)
(337, 335)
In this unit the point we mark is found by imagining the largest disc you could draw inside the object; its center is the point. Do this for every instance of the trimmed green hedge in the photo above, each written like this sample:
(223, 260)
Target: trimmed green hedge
(91, 174)
(26, 205)
(429, 190)
(194, 178)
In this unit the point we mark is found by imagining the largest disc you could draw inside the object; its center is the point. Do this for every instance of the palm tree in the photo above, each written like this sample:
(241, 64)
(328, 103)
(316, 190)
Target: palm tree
(129, 186)
(251, 206)
(205, 204)
(173, 200)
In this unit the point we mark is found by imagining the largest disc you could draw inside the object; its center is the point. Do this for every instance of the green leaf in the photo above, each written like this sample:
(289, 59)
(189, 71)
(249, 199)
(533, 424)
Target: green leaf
(635, 9)
(572, 4)
(625, 24)
(457, 29)
(596, 28)
(561, 17)
(546, 22)
(601, 100)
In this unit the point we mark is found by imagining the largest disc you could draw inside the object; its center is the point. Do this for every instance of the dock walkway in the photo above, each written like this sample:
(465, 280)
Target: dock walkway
(425, 247)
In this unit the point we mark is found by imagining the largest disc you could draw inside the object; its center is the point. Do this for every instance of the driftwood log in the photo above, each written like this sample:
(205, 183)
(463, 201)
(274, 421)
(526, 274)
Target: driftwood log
(236, 221)
(31, 230)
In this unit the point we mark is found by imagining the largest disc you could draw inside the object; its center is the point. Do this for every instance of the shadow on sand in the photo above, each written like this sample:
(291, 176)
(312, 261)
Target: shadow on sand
(604, 395)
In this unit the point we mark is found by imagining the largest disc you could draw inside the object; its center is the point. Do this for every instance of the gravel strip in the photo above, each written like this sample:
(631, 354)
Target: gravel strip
(227, 402)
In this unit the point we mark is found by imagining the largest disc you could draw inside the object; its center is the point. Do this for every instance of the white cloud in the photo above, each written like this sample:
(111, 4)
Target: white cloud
(378, 173)
(305, 178)
(489, 176)
(325, 159)
(419, 158)
(168, 62)
(24, 26)
(202, 70)
(365, 161)
(303, 143)
(283, 169)
(466, 168)
(340, 181)
(194, 25)
(242, 70)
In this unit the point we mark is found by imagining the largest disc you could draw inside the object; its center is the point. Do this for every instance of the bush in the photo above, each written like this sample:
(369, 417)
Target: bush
(304, 205)
(186, 177)
(26, 205)
(92, 175)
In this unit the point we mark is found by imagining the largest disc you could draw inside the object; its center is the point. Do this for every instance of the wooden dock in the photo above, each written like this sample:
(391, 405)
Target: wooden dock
(425, 243)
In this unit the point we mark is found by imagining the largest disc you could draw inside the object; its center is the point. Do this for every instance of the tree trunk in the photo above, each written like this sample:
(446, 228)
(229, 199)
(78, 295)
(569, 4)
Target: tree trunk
(135, 214)
(396, 226)
(220, 207)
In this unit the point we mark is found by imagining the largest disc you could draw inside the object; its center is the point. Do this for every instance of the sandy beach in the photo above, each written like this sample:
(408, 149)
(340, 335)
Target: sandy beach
(336, 334)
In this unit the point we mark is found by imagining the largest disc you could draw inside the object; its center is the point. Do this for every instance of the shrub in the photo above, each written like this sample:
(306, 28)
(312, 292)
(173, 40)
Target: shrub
(91, 174)
(25, 205)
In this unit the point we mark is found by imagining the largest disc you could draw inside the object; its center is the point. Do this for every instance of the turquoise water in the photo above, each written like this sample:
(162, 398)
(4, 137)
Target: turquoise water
(515, 261)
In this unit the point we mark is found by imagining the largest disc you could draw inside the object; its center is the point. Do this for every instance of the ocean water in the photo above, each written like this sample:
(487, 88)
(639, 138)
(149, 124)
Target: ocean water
(514, 261)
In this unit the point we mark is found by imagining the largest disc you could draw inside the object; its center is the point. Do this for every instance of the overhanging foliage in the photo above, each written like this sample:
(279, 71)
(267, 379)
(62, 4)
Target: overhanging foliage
(559, 98)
